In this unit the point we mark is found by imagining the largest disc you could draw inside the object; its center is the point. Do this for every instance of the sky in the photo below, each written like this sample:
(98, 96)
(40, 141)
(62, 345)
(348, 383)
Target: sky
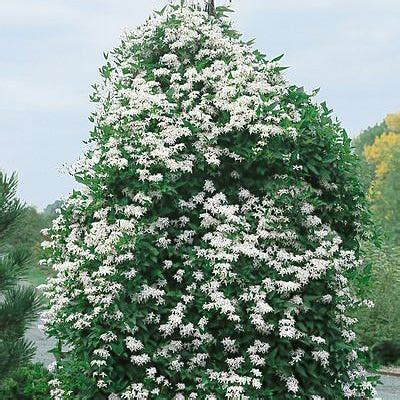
(51, 51)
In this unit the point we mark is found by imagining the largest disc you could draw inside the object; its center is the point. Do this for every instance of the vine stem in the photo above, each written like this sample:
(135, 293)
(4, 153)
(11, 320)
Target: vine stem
(211, 7)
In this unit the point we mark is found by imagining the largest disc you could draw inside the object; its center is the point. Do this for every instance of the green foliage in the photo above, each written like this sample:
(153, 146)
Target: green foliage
(19, 306)
(367, 138)
(26, 383)
(18, 309)
(385, 198)
(26, 232)
(50, 210)
(381, 324)
(83, 385)
(10, 207)
(292, 212)
(387, 352)
(25, 235)
(379, 327)
(13, 267)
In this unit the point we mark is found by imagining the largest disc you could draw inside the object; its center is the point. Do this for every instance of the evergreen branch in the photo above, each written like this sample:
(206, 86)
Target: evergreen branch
(10, 207)
(14, 354)
(13, 267)
(20, 308)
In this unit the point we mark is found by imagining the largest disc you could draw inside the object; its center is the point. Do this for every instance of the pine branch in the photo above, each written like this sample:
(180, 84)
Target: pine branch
(14, 354)
(20, 308)
(10, 207)
(13, 268)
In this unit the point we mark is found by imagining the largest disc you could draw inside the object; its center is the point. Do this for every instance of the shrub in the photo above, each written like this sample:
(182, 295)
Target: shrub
(26, 383)
(208, 254)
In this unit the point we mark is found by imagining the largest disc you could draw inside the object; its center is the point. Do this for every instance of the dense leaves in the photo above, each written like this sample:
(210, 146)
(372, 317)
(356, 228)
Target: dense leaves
(383, 156)
(208, 254)
(26, 383)
(10, 206)
(379, 327)
(19, 306)
(382, 322)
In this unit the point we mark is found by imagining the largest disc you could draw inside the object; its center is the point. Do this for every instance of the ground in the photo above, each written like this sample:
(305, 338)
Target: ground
(43, 345)
(390, 390)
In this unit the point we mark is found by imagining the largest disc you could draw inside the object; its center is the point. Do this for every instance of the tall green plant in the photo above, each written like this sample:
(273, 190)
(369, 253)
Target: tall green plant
(19, 306)
(208, 254)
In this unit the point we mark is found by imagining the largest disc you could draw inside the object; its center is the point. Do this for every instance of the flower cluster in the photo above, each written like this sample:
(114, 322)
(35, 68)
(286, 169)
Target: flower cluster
(206, 256)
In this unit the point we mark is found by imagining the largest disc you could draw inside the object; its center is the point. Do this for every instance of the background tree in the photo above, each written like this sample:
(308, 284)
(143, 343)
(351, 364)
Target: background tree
(365, 138)
(19, 306)
(50, 210)
(383, 156)
(393, 122)
(379, 327)
(26, 231)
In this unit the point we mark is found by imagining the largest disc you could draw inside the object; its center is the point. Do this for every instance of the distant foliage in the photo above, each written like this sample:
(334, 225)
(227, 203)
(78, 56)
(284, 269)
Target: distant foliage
(393, 122)
(379, 327)
(383, 155)
(51, 209)
(26, 232)
(368, 136)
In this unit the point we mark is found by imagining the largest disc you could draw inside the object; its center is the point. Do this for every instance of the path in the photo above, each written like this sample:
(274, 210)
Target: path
(43, 345)
(390, 389)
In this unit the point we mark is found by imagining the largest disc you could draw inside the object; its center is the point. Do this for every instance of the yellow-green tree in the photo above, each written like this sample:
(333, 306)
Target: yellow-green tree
(393, 122)
(384, 156)
(379, 327)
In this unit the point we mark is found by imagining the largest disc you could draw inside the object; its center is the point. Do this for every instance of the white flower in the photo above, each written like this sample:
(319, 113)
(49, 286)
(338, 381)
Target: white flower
(292, 384)
(220, 267)
(133, 344)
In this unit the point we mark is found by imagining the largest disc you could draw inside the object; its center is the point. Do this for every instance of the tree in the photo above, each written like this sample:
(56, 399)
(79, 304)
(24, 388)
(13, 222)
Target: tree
(379, 327)
(383, 155)
(393, 122)
(51, 209)
(366, 138)
(26, 232)
(19, 306)
(209, 251)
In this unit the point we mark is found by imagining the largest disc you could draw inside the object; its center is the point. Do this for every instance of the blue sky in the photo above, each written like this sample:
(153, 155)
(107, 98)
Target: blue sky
(51, 51)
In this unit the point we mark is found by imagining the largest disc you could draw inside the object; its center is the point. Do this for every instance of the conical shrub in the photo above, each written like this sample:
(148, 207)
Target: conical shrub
(208, 253)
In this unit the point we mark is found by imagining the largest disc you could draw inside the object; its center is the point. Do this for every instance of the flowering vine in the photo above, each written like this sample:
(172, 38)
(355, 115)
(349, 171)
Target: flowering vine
(208, 253)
